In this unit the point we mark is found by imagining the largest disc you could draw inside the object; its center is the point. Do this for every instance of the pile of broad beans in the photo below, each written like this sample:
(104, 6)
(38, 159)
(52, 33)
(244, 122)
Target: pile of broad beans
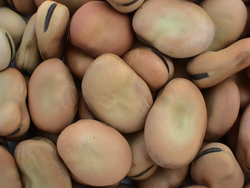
(125, 94)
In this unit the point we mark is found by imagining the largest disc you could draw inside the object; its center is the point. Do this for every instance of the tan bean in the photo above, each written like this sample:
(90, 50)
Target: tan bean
(242, 149)
(25, 7)
(77, 60)
(7, 49)
(14, 23)
(40, 164)
(96, 148)
(223, 104)
(52, 96)
(52, 20)
(116, 94)
(28, 56)
(165, 178)
(14, 116)
(125, 6)
(152, 66)
(185, 31)
(142, 165)
(9, 174)
(98, 28)
(227, 15)
(176, 124)
(216, 166)
(212, 67)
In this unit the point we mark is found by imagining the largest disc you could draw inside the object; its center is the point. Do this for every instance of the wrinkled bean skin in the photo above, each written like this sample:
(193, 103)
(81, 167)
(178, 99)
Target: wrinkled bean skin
(116, 94)
(152, 66)
(223, 104)
(165, 178)
(91, 150)
(14, 115)
(97, 28)
(14, 23)
(7, 49)
(212, 67)
(172, 33)
(125, 6)
(77, 60)
(215, 166)
(28, 56)
(9, 174)
(54, 110)
(25, 7)
(52, 20)
(40, 165)
(142, 165)
(176, 124)
(242, 150)
(227, 15)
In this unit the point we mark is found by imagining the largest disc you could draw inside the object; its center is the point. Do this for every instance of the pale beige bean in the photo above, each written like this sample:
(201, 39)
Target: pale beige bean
(116, 94)
(227, 15)
(14, 115)
(185, 31)
(28, 56)
(212, 67)
(223, 104)
(176, 124)
(40, 164)
(7, 49)
(14, 23)
(52, 96)
(51, 24)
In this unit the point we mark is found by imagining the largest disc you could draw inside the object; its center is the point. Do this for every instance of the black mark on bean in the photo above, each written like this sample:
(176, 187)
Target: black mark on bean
(144, 172)
(200, 76)
(130, 3)
(161, 57)
(207, 151)
(15, 132)
(48, 16)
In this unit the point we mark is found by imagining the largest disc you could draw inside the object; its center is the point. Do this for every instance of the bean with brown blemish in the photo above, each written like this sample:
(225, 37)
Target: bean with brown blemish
(52, 20)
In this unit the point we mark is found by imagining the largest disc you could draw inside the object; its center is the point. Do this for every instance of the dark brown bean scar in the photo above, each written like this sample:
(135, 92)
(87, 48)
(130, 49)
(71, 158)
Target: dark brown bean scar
(11, 48)
(144, 172)
(48, 16)
(15, 132)
(161, 57)
(207, 151)
(130, 3)
(200, 76)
